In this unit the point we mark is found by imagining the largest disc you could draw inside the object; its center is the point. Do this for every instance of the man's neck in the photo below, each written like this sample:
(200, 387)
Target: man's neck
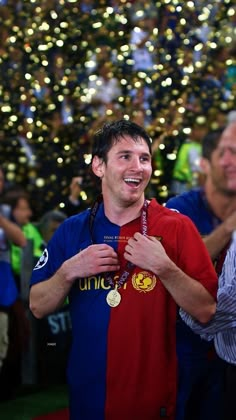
(221, 204)
(121, 215)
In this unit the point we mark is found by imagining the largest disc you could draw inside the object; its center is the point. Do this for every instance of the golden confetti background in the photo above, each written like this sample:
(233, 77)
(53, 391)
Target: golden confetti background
(50, 53)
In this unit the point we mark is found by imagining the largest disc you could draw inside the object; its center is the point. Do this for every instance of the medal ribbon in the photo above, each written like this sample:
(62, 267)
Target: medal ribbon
(129, 266)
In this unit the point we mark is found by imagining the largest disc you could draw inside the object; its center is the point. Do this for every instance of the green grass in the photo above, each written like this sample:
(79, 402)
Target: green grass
(34, 403)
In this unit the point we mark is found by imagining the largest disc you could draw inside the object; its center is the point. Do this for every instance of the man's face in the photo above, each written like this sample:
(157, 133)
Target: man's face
(223, 162)
(127, 171)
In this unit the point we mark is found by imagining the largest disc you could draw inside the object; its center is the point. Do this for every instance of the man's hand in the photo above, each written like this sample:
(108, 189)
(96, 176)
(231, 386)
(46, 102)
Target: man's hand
(75, 188)
(95, 259)
(148, 253)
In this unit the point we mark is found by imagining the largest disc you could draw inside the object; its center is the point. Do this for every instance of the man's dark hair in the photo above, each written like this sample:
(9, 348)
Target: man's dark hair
(113, 132)
(210, 142)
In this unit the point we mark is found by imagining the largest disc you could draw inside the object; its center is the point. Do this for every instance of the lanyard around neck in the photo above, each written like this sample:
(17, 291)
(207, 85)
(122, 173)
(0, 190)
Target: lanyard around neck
(129, 266)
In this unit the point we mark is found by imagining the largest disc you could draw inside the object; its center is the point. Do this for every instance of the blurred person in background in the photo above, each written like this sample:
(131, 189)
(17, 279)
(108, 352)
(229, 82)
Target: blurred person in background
(38, 235)
(187, 170)
(21, 213)
(48, 224)
(212, 208)
(103, 89)
(73, 202)
(222, 328)
(9, 295)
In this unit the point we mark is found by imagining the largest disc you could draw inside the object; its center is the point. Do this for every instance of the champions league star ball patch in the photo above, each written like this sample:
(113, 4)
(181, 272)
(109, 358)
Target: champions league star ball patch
(42, 260)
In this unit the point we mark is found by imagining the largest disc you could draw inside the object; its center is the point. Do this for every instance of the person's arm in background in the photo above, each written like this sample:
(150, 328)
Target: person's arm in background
(75, 188)
(225, 316)
(220, 236)
(12, 231)
(73, 201)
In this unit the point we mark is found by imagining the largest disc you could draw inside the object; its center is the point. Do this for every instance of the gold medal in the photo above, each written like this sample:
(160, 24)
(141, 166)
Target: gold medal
(113, 298)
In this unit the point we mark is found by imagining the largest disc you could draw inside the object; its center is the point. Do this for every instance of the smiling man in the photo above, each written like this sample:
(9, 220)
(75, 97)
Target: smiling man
(127, 264)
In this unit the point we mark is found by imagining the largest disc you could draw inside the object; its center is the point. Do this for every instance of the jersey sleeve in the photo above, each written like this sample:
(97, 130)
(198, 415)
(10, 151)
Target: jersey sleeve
(71, 236)
(51, 258)
(193, 257)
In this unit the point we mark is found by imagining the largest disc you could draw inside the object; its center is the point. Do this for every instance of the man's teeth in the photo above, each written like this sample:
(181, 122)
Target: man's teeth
(136, 181)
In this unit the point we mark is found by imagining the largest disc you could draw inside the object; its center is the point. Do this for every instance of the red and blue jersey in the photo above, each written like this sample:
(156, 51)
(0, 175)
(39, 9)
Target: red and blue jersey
(122, 362)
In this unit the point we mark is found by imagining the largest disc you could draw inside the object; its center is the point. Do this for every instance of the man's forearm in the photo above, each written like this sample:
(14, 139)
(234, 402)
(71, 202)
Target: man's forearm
(49, 295)
(12, 231)
(189, 294)
(217, 240)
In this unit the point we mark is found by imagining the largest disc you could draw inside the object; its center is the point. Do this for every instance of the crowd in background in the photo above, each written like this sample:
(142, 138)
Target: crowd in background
(69, 66)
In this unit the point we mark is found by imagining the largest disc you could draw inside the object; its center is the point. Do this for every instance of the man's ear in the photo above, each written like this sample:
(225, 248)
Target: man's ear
(204, 165)
(97, 166)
